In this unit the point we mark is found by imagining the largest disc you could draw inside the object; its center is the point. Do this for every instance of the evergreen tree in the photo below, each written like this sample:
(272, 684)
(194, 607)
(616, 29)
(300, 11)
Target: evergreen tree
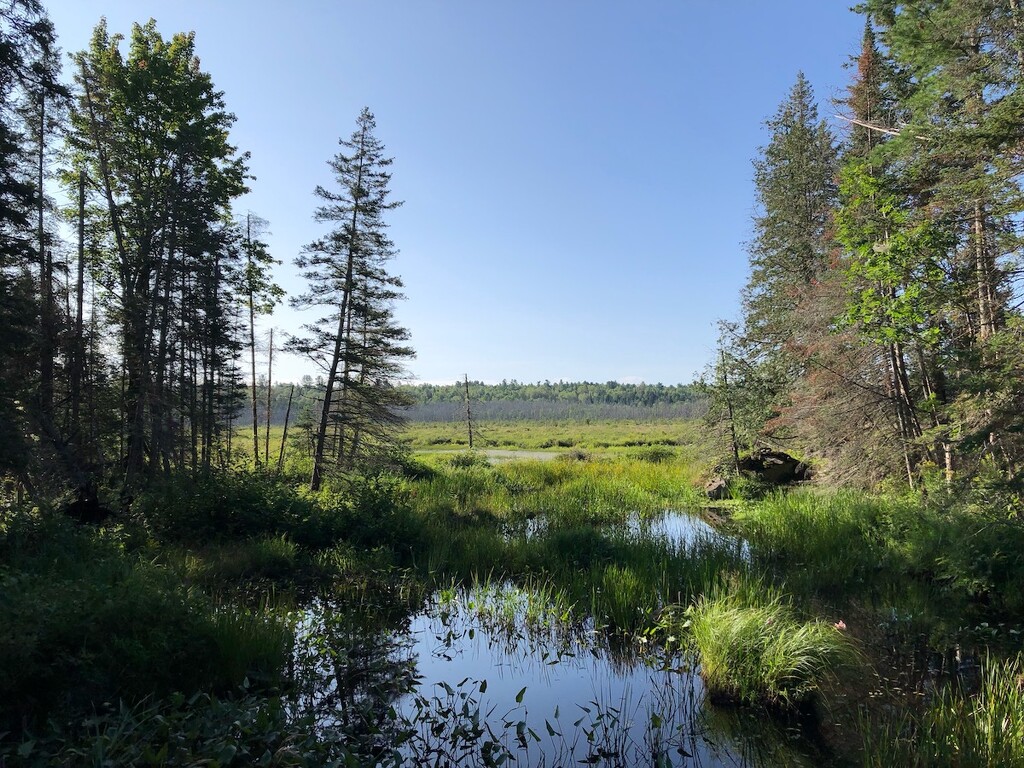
(956, 167)
(357, 344)
(28, 76)
(795, 179)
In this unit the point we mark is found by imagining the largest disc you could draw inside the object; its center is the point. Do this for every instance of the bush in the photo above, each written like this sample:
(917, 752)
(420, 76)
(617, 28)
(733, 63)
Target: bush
(467, 459)
(377, 514)
(655, 454)
(84, 621)
(228, 505)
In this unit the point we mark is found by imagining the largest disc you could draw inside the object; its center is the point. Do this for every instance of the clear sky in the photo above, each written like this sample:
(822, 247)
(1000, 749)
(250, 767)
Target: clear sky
(576, 173)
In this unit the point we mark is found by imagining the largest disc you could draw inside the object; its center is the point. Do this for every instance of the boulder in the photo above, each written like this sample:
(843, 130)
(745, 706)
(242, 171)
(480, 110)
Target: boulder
(775, 467)
(717, 489)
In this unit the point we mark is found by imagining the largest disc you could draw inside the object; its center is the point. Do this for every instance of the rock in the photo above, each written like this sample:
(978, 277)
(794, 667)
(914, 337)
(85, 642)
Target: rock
(717, 489)
(775, 467)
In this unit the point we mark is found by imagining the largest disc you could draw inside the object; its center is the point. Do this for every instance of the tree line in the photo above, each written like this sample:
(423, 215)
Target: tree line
(584, 392)
(881, 329)
(131, 287)
(507, 401)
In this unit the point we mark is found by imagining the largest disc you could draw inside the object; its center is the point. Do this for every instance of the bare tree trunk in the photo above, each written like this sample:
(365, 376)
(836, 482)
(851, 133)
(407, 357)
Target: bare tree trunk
(732, 420)
(469, 413)
(983, 274)
(316, 479)
(284, 435)
(252, 347)
(270, 391)
(46, 337)
(79, 342)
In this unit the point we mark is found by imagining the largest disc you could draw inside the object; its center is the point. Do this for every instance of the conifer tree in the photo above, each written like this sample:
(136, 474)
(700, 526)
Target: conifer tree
(956, 156)
(357, 344)
(28, 78)
(795, 179)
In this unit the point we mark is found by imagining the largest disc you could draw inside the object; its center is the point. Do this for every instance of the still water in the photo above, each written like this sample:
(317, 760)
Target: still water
(486, 676)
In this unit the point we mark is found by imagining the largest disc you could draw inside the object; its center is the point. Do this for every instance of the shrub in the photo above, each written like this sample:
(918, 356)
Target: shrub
(466, 459)
(377, 514)
(228, 505)
(655, 454)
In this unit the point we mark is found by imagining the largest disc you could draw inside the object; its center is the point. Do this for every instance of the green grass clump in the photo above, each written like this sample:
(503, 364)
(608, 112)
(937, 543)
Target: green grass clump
(958, 730)
(761, 653)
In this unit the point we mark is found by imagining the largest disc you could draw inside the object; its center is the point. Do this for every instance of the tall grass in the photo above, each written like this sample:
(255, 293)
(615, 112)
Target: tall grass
(680, 434)
(833, 541)
(841, 543)
(565, 493)
(762, 652)
(958, 730)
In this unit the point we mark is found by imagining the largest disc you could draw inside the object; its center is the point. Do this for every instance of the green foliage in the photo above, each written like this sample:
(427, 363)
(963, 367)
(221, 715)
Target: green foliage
(897, 285)
(377, 514)
(230, 506)
(760, 652)
(86, 620)
(202, 729)
(957, 729)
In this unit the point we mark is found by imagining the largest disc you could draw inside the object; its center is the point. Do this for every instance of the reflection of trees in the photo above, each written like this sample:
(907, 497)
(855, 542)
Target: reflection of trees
(351, 666)
(356, 680)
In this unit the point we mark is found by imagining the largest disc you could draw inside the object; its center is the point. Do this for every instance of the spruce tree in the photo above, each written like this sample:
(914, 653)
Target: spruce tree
(795, 180)
(358, 344)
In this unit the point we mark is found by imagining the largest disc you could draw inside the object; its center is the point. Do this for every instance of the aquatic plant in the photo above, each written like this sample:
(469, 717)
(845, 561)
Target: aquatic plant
(956, 729)
(761, 652)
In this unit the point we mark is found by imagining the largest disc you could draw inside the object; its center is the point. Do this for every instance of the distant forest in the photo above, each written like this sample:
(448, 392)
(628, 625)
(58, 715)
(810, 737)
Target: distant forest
(509, 401)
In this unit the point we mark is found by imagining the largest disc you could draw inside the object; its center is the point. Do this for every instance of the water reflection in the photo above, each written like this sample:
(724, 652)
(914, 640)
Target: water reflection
(496, 673)
(560, 695)
(678, 531)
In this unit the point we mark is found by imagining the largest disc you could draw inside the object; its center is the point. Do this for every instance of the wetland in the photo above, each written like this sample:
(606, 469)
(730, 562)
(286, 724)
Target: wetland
(576, 610)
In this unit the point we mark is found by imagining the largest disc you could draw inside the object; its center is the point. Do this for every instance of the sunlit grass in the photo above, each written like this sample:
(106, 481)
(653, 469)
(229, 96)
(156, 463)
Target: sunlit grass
(761, 652)
(957, 730)
(555, 435)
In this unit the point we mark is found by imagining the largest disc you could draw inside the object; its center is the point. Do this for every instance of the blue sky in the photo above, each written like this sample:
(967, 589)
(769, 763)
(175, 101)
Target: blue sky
(576, 175)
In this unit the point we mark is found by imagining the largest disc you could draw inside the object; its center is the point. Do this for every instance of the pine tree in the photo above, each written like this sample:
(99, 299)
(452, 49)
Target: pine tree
(358, 344)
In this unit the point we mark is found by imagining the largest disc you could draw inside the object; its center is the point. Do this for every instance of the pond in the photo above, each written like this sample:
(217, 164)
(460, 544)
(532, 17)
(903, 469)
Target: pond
(495, 673)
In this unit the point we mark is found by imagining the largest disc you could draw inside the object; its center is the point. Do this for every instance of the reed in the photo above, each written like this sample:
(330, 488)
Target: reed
(956, 729)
